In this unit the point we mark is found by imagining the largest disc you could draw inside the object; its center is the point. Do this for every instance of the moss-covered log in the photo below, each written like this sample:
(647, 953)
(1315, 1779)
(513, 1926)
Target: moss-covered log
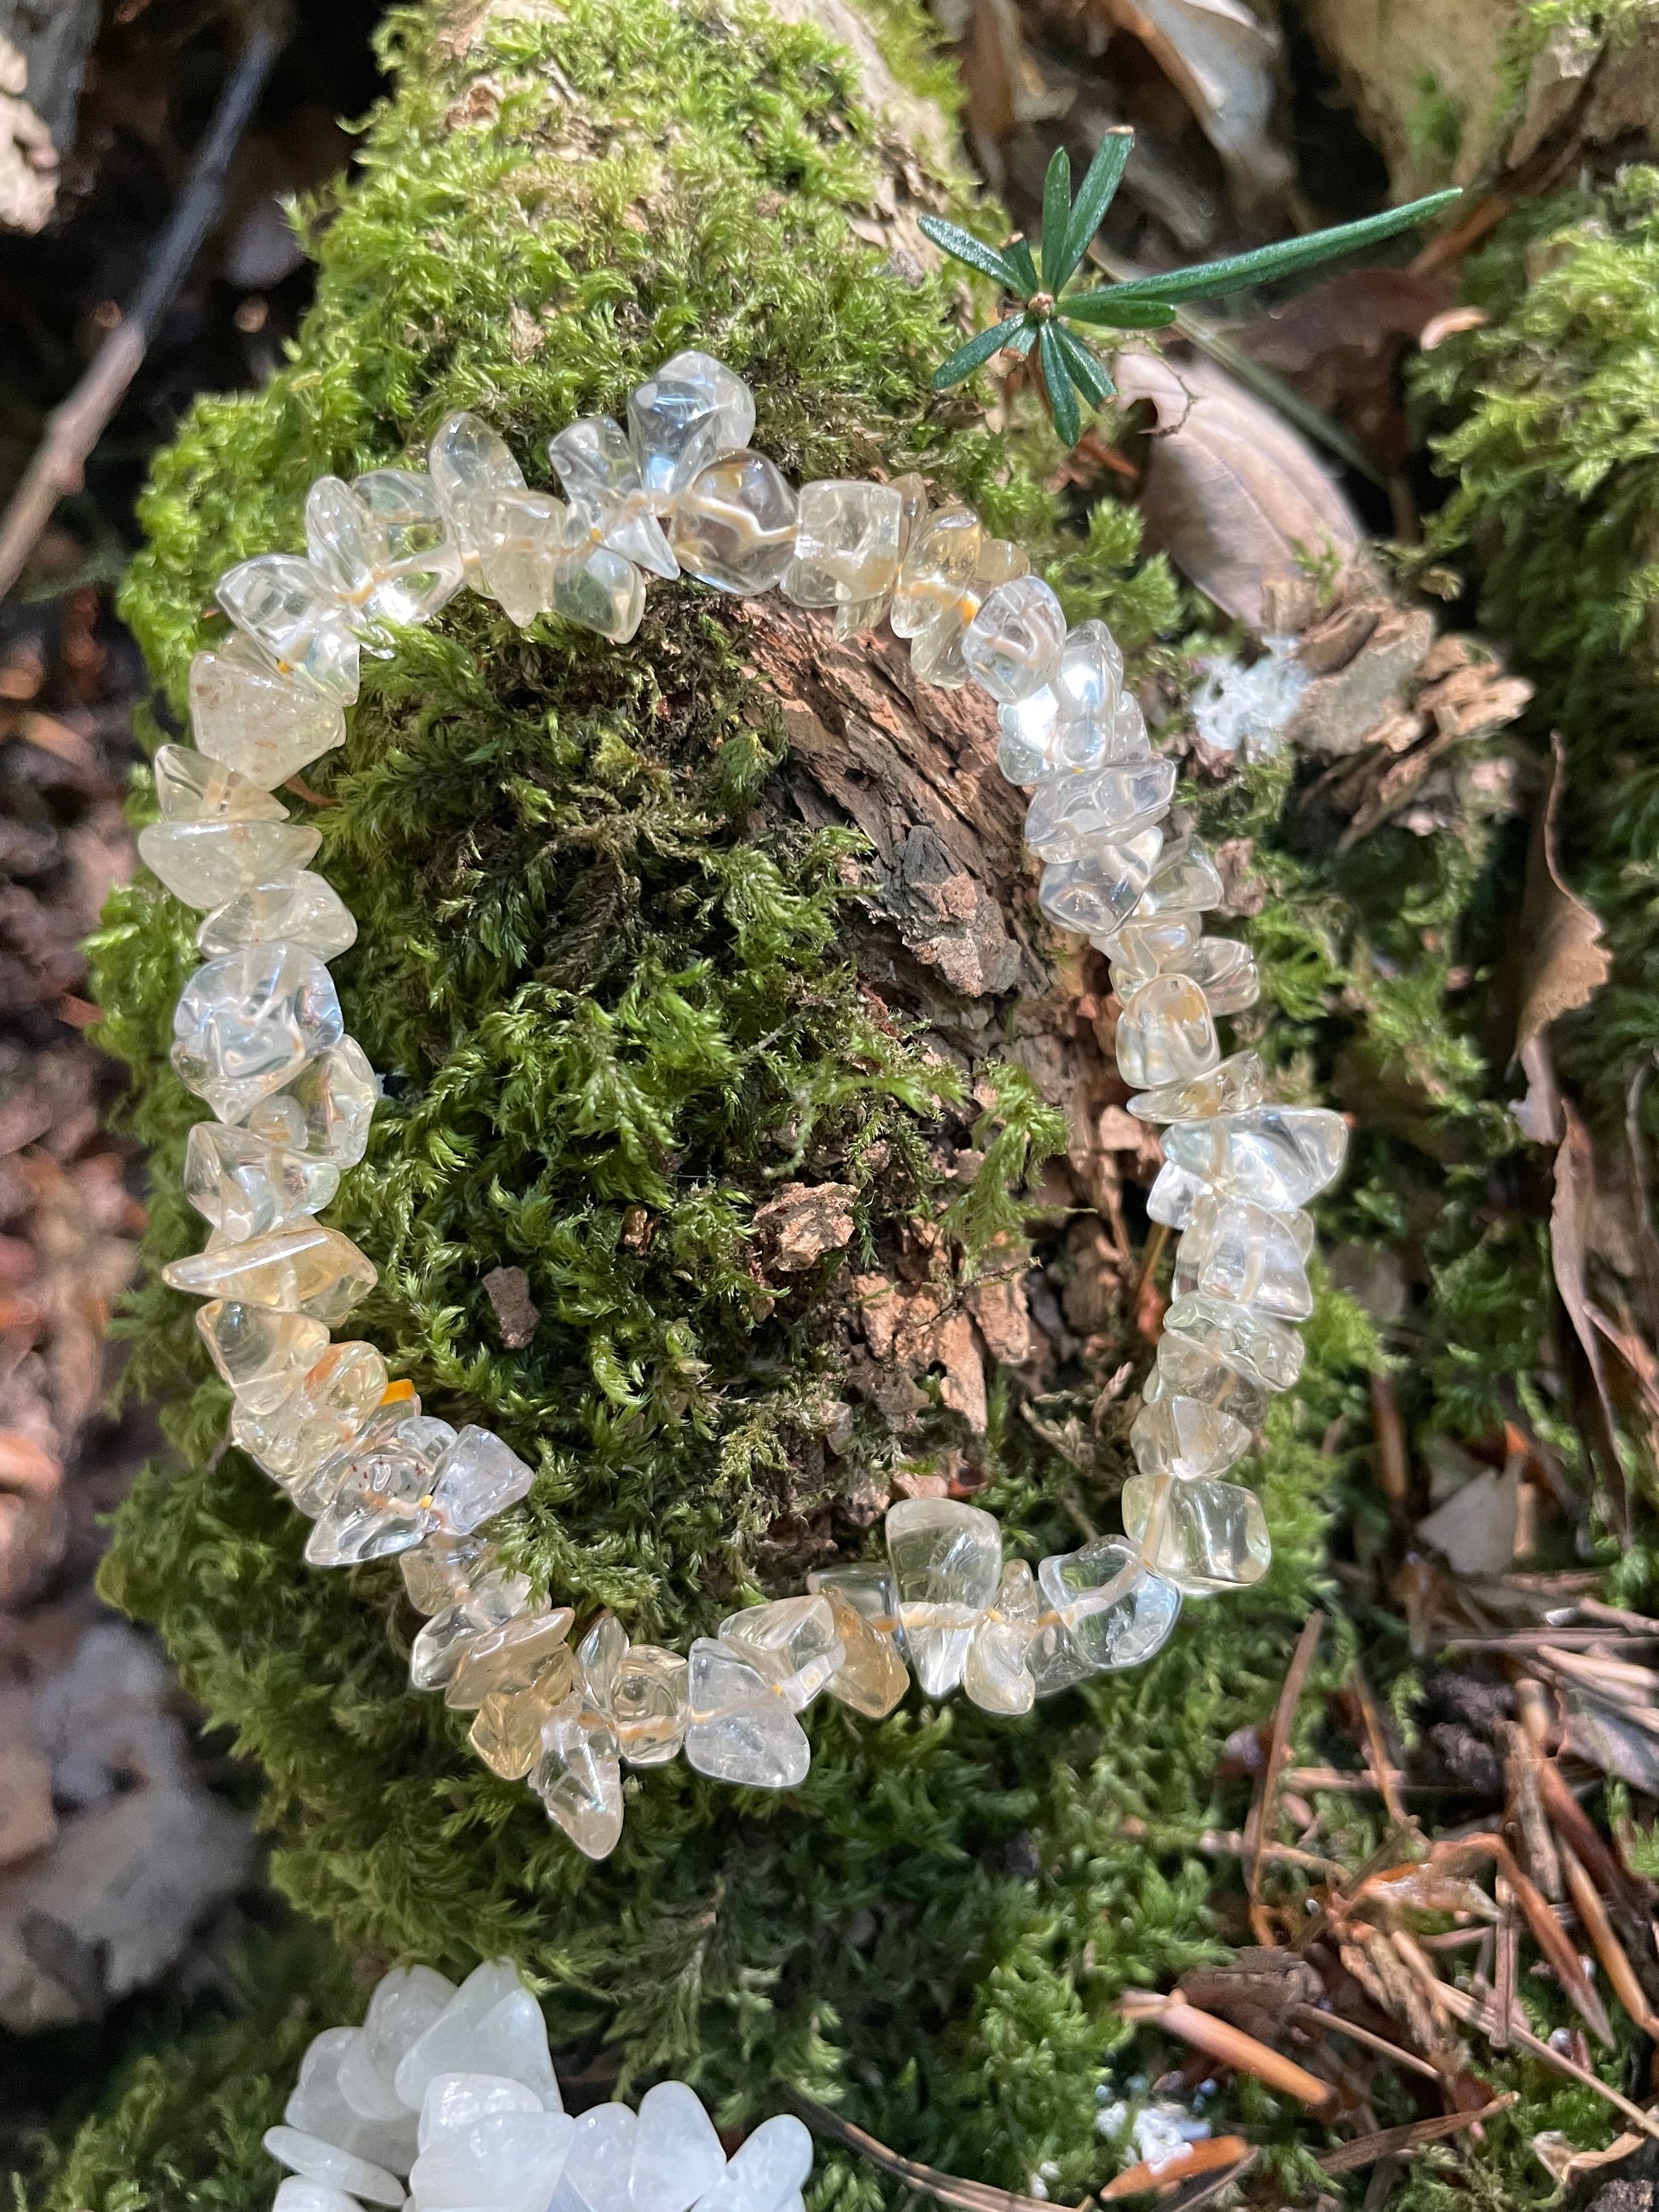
(649, 935)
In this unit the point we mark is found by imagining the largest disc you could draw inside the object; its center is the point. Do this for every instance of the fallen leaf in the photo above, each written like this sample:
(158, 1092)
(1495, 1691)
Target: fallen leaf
(1563, 962)
(1232, 493)
(1569, 1215)
(1566, 2164)
(1474, 1530)
(1342, 343)
(1225, 64)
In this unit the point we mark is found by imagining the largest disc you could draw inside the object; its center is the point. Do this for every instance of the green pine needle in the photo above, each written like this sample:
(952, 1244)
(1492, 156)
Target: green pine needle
(1143, 303)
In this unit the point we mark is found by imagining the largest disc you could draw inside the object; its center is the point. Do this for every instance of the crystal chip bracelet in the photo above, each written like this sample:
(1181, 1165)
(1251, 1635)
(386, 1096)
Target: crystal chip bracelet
(454, 2089)
(260, 1037)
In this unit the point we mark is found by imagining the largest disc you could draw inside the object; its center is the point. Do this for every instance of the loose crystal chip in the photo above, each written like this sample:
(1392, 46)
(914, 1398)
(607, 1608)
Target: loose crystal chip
(1230, 1087)
(1279, 1156)
(846, 543)
(193, 786)
(947, 1564)
(265, 725)
(244, 1187)
(995, 1676)
(470, 464)
(261, 1353)
(284, 606)
(1187, 1438)
(690, 412)
(738, 1728)
(325, 1110)
(938, 566)
(601, 477)
(1076, 809)
(1115, 1613)
(522, 538)
(380, 544)
(328, 1412)
(247, 1024)
(404, 2002)
(1265, 1350)
(1185, 1368)
(306, 1269)
(792, 1642)
(577, 1777)
(1185, 881)
(1214, 1534)
(735, 525)
(205, 863)
(1013, 645)
(1094, 894)
(300, 909)
(1235, 1250)
(1090, 676)
(1164, 1033)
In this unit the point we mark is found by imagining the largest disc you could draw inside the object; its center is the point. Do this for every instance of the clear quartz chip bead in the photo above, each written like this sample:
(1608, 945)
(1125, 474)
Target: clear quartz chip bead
(577, 1777)
(1164, 1032)
(306, 1269)
(506, 1732)
(596, 466)
(1013, 645)
(244, 1025)
(1090, 678)
(936, 654)
(601, 590)
(939, 565)
(513, 1657)
(1235, 1250)
(856, 615)
(946, 1559)
(648, 1704)
(872, 1677)
(766, 2171)
(503, 2162)
(994, 1675)
(328, 1412)
(296, 2194)
(1186, 1437)
(1116, 1612)
(1231, 1086)
(301, 908)
(1212, 1535)
(1225, 971)
(405, 2002)
(846, 543)
(486, 1604)
(193, 786)
(261, 1353)
(738, 1728)
(735, 525)
(453, 2101)
(446, 1569)
(1174, 1195)
(317, 2108)
(204, 863)
(245, 1186)
(1269, 1351)
(1025, 750)
(1074, 809)
(1093, 894)
(522, 538)
(462, 2032)
(324, 2162)
(376, 1500)
(470, 464)
(595, 2178)
(325, 1108)
(1140, 950)
(265, 725)
(677, 2157)
(286, 608)
(381, 543)
(690, 412)
(1185, 881)
(1279, 1157)
(1184, 1367)
(791, 1641)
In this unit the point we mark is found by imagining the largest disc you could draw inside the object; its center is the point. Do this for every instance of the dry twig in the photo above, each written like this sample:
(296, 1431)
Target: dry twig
(945, 2188)
(1389, 2142)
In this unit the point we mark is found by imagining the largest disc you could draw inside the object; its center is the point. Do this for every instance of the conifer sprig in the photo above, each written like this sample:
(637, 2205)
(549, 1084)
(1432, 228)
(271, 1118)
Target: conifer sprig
(1145, 303)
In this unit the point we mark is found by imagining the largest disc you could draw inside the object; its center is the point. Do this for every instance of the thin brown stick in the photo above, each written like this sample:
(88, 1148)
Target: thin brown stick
(1551, 1938)
(1388, 2142)
(1377, 1750)
(57, 466)
(1278, 1745)
(945, 2188)
(1220, 2039)
(1573, 1824)
(1615, 1961)
(1311, 2016)
(1504, 1972)
(1230, 1844)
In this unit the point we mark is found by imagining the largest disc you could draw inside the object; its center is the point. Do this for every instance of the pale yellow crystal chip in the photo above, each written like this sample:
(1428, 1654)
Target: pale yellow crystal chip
(304, 1270)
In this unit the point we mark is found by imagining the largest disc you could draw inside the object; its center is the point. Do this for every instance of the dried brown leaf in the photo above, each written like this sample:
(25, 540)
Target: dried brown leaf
(1563, 962)
(1225, 62)
(1232, 493)
(1569, 1216)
